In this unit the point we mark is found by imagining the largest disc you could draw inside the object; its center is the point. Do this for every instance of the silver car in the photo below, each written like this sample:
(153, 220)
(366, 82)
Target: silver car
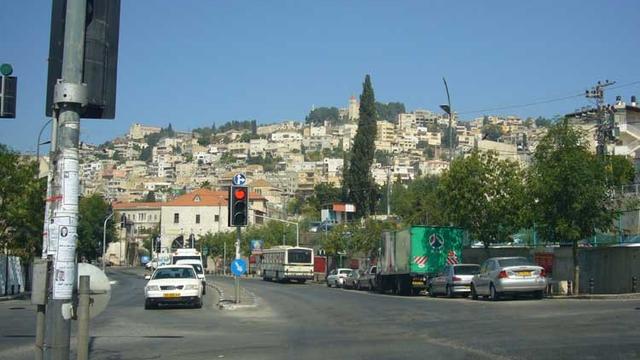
(508, 275)
(454, 279)
(337, 277)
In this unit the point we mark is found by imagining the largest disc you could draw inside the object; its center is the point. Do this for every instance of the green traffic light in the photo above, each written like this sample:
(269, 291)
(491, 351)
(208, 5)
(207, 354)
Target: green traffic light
(6, 69)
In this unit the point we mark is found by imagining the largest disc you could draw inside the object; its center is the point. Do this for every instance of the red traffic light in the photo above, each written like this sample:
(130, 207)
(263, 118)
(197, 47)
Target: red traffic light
(240, 194)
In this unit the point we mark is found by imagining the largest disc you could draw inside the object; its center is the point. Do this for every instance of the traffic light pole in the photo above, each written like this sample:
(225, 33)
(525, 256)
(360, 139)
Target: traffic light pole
(69, 97)
(237, 278)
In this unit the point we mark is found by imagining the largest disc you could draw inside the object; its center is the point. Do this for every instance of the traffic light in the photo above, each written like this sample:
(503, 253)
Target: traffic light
(238, 205)
(8, 92)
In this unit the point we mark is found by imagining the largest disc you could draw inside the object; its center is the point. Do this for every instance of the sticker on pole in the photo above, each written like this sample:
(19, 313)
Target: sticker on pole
(238, 267)
(239, 179)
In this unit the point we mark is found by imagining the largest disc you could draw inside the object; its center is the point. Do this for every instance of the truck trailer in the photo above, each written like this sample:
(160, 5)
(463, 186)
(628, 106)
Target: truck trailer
(410, 257)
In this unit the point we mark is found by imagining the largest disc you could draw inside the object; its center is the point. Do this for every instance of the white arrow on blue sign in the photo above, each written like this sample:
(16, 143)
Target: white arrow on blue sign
(239, 179)
(238, 267)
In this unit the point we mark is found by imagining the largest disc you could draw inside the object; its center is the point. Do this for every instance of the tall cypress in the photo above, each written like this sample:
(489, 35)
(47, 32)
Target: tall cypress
(358, 182)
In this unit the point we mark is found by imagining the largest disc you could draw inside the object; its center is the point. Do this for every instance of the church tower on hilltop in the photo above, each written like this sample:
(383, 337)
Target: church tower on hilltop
(354, 109)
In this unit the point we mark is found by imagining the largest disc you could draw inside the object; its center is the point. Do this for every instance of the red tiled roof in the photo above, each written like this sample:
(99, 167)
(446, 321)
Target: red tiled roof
(206, 197)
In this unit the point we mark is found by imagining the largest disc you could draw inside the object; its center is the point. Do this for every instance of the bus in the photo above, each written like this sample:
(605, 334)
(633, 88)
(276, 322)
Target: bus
(285, 263)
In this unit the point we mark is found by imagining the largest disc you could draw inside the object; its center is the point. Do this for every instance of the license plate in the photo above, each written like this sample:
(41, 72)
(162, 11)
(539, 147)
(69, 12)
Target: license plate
(417, 283)
(524, 273)
(171, 295)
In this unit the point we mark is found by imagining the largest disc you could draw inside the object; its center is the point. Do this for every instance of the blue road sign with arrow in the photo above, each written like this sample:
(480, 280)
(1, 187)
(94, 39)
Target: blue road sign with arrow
(238, 267)
(239, 179)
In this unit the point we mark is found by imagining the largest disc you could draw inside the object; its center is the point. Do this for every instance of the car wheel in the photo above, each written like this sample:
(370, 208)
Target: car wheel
(493, 294)
(198, 304)
(328, 284)
(474, 294)
(148, 305)
(449, 291)
(538, 294)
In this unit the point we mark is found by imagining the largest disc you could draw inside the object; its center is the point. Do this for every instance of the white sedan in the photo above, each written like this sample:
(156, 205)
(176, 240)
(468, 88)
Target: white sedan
(173, 284)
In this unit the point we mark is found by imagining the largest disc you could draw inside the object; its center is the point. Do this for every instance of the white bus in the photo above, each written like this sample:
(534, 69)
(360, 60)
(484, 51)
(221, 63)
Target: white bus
(284, 263)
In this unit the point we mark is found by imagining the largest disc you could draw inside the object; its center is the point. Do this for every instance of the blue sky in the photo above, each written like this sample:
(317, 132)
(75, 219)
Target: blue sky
(192, 63)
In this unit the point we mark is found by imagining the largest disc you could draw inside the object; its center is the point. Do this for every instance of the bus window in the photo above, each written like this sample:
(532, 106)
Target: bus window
(299, 256)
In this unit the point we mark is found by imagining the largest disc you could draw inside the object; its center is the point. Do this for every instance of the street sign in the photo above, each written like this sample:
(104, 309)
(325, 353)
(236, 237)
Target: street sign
(239, 179)
(256, 247)
(205, 251)
(238, 267)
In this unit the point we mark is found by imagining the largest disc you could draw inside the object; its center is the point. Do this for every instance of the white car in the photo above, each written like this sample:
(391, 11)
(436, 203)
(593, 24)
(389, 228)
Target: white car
(337, 277)
(173, 284)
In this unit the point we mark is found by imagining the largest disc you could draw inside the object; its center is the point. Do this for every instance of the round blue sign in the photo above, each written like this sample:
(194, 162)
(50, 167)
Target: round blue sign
(238, 267)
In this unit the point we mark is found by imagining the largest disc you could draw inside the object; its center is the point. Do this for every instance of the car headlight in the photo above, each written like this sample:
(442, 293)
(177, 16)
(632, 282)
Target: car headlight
(153, 288)
(191, 287)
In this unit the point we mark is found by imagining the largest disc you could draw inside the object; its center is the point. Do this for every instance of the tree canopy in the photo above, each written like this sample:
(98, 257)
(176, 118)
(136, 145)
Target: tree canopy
(21, 205)
(93, 210)
(319, 115)
(389, 111)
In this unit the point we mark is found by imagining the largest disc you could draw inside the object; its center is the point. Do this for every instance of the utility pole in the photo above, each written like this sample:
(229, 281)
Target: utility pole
(69, 97)
(604, 130)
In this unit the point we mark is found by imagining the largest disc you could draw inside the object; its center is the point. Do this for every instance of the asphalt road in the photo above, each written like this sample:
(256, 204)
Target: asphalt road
(314, 322)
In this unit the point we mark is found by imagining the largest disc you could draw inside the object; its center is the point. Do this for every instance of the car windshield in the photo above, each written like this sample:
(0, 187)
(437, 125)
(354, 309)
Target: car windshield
(345, 271)
(466, 270)
(519, 261)
(174, 273)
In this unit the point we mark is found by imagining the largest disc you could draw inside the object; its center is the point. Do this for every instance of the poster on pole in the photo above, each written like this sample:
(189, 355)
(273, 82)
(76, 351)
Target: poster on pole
(256, 247)
(52, 231)
(63, 277)
(67, 242)
(70, 182)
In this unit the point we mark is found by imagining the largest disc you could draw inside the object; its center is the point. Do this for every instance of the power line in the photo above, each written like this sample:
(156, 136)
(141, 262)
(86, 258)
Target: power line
(540, 102)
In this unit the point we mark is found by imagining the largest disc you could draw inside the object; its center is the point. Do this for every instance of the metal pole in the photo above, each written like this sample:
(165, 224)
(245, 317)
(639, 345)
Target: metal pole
(388, 192)
(446, 87)
(83, 318)
(237, 278)
(104, 241)
(297, 235)
(69, 96)
(224, 258)
(38, 143)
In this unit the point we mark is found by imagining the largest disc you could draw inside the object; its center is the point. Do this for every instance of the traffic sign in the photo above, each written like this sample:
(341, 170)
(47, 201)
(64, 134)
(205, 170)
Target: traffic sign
(239, 179)
(238, 267)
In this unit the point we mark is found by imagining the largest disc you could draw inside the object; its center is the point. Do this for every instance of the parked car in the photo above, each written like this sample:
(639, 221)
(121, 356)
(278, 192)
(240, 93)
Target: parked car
(508, 275)
(368, 279)
(173, 284)
(351, 281)
(453, 280)
(337, 276)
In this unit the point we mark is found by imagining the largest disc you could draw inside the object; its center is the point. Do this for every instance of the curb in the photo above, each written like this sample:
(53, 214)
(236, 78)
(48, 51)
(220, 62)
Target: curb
(21, 296)
(627, 296)
(228, 304)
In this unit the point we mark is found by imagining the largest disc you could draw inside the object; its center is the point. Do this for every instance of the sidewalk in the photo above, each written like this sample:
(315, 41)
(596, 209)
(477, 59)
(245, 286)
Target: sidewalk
(224, 286)
(628, 296)
(21, 296)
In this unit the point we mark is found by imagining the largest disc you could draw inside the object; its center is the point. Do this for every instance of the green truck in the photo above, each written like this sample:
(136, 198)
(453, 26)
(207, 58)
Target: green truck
(410, 257)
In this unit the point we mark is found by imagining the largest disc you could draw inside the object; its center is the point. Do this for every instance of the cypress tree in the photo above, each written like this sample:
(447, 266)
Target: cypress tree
(358, 182)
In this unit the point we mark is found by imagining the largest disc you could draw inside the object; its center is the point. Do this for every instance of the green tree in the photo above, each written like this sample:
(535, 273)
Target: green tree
(319, 115)
(150, 197)
(389, 111)
(21, 205)
(358, 181)
(92, 212)
(419, 203)
(569, 188)
(492, 132)
(323, 195)
(483, 195)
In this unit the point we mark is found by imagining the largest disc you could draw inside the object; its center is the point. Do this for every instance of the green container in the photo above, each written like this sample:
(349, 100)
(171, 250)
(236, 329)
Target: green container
(421, 250)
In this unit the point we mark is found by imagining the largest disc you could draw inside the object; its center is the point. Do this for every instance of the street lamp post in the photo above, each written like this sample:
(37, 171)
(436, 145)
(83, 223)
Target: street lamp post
(104, 240)
(448, 110)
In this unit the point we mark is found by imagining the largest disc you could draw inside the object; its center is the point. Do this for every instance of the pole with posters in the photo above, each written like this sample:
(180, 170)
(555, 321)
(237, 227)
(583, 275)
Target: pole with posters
(69, 96)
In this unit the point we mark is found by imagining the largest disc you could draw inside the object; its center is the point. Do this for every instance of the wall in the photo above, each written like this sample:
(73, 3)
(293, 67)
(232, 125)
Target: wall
(15, 278)
(612, 268)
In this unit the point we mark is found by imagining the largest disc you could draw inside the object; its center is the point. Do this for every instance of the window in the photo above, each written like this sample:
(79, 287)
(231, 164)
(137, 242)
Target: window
(176, 218)
(198, 219)
(216, 218)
